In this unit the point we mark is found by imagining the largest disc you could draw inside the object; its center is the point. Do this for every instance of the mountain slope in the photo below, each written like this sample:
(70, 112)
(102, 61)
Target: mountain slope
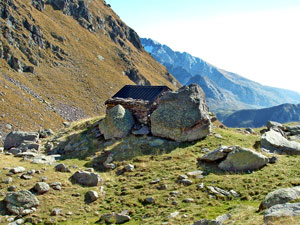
(245, 93)
(61, 60)
(259, 117)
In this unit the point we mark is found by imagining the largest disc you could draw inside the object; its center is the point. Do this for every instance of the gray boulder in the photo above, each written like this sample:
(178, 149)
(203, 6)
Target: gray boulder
(272, 124)
(218, 221)
(15, 138)
(281, 210)
(182, 115)
(242, 159)
(18, 169)
(21, 203)
(41, 187)
(61, 167)
(273, 141)
(91, 196)
(117, 123)
(86, 178)
(280, 196)
(293, 130)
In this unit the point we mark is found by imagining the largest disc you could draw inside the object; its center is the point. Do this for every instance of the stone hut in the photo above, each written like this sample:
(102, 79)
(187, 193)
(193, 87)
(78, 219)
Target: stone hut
(140, 100)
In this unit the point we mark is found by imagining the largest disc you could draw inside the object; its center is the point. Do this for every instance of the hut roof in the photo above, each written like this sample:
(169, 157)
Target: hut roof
(147, 93)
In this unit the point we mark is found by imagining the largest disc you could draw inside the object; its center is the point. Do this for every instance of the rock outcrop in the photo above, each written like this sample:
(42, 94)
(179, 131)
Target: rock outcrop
(182, 115)
(235, 159)
(21, 203)
(117, 123)
(273, 141)
(282, 210)
(280, 196)
(16, 138)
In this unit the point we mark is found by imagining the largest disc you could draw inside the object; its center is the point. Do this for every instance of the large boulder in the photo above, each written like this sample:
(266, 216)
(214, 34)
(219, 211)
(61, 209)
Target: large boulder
(282, 210)
(182, 115)
(117, 123)
(15, 138)
(21, 203)
(242, 159)
(280, 196)
(274, 142)
(86, 178)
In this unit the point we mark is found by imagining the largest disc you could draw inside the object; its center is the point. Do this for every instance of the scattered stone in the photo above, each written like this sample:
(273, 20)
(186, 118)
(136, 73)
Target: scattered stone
(117, 123)
(56, 186)
(8, 180)
(200, 186)
(273, 141)
(218, 221)
(44, 179)
(31, 172)
(185, 182)
(188, 123)
(162, 187)
(234, 193)
(14, 151)
(116, 218)
(26, 177)
(41, 187)
(280, 196)
(273, 159)
(18, 169)
(242, 159)
(90, 170)
(107, 164)
(218, 136)
(173, 214)
(250, 130)
(56, 212)
(281, 210)
(25, 154)
(149, 200)
(181, 177)
(188, 200)
(91, 196)
(18, 202)
(129, 168)
(12, 188)
(195, 173)
(86, 178)
(174, 193)
(62, 168)
(155, 181)
(70, 213)
(67, 124)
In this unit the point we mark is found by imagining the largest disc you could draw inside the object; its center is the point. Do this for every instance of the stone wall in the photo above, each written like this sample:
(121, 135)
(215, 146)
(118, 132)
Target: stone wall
(140, 109)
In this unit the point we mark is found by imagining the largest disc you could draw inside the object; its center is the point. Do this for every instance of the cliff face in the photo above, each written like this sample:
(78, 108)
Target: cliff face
(62, 59)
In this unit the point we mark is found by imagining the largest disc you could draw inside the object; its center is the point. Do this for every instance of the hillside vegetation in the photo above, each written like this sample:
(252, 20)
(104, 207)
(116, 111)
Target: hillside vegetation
(61, 60)
(128, 190)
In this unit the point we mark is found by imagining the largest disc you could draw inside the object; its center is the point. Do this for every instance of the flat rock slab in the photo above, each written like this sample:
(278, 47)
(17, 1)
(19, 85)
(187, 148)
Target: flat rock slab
(273, 141)
(242, 159)
(217, 154)
(280, 196)
(282, 210)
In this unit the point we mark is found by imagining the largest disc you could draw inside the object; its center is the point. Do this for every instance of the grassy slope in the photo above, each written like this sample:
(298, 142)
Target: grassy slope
(127, 191)
(80, 80)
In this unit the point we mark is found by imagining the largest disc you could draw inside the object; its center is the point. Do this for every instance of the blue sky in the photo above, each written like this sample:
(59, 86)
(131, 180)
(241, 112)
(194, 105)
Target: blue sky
(258, 39)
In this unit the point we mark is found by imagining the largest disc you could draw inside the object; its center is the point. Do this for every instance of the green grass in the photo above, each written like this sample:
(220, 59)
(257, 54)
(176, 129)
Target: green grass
(128, 191)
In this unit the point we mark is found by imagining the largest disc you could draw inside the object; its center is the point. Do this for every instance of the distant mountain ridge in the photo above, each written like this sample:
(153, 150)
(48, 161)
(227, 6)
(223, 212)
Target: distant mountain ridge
(259, 117)
(224, 90)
